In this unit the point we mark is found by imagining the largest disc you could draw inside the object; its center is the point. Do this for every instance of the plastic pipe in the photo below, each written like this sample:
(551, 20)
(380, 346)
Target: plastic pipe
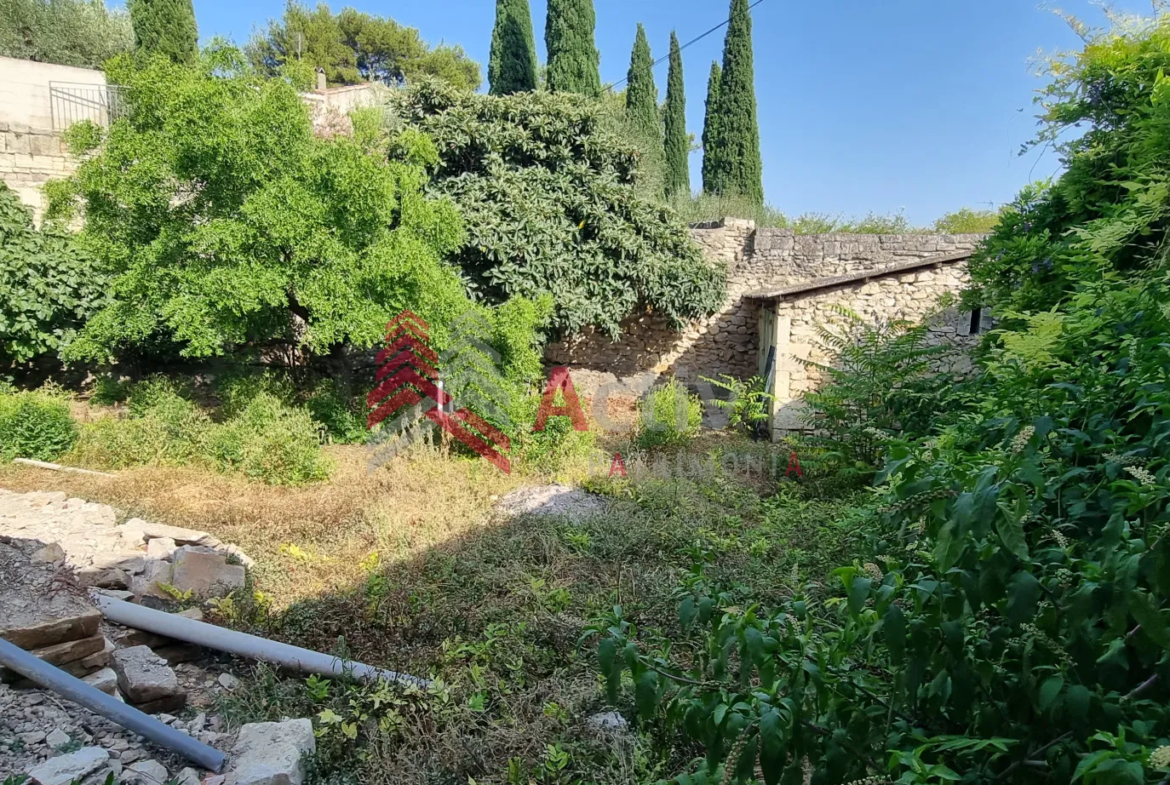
(244, 645)
(74, 689)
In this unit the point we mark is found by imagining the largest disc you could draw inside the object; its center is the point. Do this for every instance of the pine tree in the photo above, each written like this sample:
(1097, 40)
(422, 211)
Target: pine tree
(710, 121)
(512, 64)
(573, 60)
(641, 92)
(736, 167)
(166, 27)
(677, 144)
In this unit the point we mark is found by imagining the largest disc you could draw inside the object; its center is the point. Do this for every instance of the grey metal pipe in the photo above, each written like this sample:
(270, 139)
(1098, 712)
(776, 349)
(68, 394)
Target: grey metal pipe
(74, 689)
(243, 645)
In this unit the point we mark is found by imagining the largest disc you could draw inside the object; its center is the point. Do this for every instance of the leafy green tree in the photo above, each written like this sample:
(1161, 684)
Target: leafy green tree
(512, 64)
(354, 47)
(48, 284)
(967, 221)
(165, 27)
(550, 199)
(641, 92)
(573, 59)
(735, 164)
(677, 142)
(226, 224)
(711, 127)
(71, 32)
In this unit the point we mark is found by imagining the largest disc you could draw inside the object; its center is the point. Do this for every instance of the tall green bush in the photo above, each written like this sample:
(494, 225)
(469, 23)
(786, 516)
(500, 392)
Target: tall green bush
(551, 206)
(512, 64)
(227, 224)
(641, 92)
(668, 416)
(573, 59)
(711, 122)
(677, 141)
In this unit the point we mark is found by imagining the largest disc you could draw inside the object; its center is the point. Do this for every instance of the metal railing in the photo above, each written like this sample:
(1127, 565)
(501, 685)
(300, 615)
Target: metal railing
(72, 102)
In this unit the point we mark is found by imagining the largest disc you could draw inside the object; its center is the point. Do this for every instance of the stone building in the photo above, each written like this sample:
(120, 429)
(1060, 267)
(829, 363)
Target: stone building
(779, 285)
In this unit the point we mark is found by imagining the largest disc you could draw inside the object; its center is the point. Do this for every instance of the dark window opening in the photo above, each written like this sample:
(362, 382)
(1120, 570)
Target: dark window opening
(976, 319)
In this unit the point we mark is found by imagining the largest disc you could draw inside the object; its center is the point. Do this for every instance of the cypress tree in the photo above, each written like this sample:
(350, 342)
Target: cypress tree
(710, 121)
(641, 92)
(512, 64)
(573, 60)
(736, 167)
(677, 144)
(167, 27)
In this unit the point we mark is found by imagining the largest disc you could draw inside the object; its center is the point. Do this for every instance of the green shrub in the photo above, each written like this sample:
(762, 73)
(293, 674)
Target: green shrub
(152, 390)
(748, 405)
(668, 415)
(109, 389)
(548, 451)
(344, 422)
(35, 425)
(164, 429)
(271, 442)
(236, 389)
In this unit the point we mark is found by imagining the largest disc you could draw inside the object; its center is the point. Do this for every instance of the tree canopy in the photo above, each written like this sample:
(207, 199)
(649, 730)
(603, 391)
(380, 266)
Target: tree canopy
(641, 92)
(165, 27)
(512, 65)
(710, 126)
(677, 142)
(71, 32)
(225, 223)
(551, 206)
(354, 47)
(573, 59)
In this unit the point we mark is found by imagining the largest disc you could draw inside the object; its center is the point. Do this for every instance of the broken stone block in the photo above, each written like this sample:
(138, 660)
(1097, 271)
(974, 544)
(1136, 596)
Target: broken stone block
(57, 738)
(70, 651)
(64, 769)
(104, 680)
(205, 573)
(160, 548)
(36, 609)
(143, 676)
(180, 535)
(154, 573)
(50, 554)
(146, 772)
(271, 753)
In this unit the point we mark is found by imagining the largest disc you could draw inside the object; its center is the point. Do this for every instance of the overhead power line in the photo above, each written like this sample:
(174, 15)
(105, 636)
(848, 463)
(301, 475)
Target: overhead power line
(694, 40)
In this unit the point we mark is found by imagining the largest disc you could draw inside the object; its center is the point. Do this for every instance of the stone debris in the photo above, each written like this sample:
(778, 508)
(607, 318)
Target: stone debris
(64, 769)
(147, 772)
(145, 678)
(552, 499)
(104, 680)
(272, 753)
(608, 720)
(136, 556)
(57, 738)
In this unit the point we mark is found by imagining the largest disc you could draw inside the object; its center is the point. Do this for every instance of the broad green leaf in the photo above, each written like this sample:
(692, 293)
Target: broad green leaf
(1049, 690)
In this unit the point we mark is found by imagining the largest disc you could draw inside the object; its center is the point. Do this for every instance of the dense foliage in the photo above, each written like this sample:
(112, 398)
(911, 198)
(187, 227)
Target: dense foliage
(71, 32)
(165, 27)
(734, 147)
(674, 117)
(354, 47)
(226, 223)
(1013, 621)
(967, 221)
(550, 203)
(48, 284)
(573, 59)
(641, 92)
(512, 64)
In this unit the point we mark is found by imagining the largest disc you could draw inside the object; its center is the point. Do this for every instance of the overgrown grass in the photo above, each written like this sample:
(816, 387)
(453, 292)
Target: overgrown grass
(409, 568)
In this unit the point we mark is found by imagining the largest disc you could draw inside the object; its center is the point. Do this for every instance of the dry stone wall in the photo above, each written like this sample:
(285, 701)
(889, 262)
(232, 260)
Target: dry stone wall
(728, 341)
(29, 158)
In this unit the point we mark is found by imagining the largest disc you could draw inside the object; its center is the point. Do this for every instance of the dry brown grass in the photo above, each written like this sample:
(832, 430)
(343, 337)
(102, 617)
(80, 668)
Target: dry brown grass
(406, 506)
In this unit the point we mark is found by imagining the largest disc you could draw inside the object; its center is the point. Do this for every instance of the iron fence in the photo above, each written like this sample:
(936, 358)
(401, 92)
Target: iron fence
(72, 102)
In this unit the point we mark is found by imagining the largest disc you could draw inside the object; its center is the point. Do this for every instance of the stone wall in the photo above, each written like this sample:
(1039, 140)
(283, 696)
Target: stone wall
(29, 158)
(728, 341)
(912, 296)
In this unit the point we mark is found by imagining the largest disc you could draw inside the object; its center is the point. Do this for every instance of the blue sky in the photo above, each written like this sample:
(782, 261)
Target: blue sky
(865, 105)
